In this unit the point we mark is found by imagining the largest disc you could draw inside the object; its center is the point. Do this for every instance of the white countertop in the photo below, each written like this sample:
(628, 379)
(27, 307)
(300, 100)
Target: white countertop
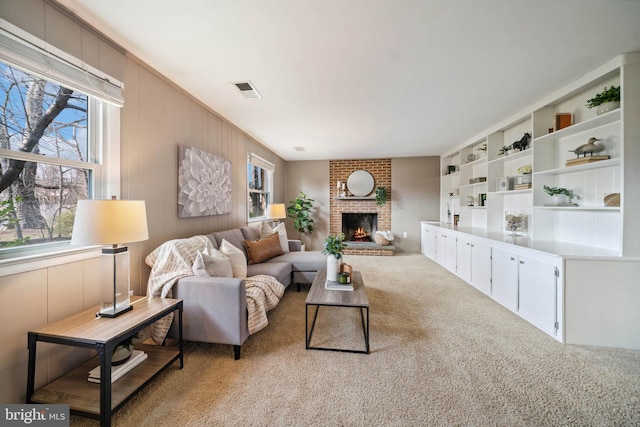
(563, 249)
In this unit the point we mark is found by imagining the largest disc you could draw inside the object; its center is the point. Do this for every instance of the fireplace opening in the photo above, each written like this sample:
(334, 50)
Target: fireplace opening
(359, 227)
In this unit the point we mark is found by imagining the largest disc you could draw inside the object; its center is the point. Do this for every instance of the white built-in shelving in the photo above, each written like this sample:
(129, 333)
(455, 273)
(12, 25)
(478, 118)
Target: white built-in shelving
(591, 223)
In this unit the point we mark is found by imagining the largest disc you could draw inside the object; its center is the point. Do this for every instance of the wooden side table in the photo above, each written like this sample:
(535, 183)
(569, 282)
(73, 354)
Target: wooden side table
(104, 334)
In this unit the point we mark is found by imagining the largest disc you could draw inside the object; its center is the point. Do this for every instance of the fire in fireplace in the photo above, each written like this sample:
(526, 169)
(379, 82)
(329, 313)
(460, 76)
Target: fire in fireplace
(359, 227)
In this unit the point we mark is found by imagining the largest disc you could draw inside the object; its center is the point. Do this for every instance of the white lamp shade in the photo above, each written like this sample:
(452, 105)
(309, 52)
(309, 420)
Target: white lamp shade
(276, 211)
(109, 222)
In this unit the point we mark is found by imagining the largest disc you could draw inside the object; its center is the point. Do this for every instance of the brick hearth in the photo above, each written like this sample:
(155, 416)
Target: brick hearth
(380, 169)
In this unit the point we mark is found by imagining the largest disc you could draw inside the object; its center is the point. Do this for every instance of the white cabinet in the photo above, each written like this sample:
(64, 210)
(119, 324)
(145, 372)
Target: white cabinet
(446, 249)
(474, 263)
(578, 299)
(538, 293)
(441, 248)
(481, 267)
(463, 259)
(504, 278)
(428, 241)
(450, 248)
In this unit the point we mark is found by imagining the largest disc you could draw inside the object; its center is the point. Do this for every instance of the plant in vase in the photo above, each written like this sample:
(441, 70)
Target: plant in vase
(607, 100)
(525, 171)
(504, 150)
(300, 210)
(334, 246)
(381, 196)
(559, 194)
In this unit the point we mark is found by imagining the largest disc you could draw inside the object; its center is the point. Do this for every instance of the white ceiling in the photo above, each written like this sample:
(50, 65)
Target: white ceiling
(369, 78)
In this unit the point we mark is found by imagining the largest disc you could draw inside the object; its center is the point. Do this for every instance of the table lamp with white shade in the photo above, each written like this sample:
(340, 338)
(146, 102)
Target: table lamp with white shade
(111, 222)
(276, 212)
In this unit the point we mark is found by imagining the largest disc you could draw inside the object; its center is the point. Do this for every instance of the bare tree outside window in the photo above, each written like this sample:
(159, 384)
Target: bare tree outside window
(38, 197)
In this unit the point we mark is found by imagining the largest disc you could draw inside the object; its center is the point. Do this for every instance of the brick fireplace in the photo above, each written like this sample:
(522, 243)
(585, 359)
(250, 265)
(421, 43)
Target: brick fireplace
(380, 169)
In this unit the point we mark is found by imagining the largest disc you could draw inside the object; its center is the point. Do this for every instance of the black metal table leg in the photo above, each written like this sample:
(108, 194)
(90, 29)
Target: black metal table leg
(180, 343)
(313, 324)
(31, 373)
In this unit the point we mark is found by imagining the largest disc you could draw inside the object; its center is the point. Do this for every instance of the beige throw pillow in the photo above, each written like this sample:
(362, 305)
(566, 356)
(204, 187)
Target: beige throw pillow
(238, 260)
(263, 249)
(214, 265)
(267, 231)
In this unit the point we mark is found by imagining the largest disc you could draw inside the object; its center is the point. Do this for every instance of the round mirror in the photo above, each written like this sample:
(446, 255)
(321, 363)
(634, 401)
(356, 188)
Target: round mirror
(360, 183)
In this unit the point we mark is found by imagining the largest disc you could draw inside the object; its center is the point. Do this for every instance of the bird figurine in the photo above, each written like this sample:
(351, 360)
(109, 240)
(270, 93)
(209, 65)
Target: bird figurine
(590, 147)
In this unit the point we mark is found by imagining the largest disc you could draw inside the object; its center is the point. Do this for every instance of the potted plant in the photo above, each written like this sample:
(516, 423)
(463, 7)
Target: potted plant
(381, 196)
(607, 100)
(525, 171)
(300, 210)
(504, 150)
(334, 247)
(558, 193)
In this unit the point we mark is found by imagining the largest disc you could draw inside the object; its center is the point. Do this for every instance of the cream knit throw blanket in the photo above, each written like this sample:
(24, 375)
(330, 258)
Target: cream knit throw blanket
(174, 259)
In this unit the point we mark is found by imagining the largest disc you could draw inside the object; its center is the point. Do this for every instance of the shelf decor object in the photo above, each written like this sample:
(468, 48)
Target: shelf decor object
(607, 100)
(612, 200)
(515, 222)
(563, 120)
(360, 183)
(111, 222)
(503, 183)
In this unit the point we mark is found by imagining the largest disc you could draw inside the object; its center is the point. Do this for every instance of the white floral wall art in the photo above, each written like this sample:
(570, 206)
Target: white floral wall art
(204, 183)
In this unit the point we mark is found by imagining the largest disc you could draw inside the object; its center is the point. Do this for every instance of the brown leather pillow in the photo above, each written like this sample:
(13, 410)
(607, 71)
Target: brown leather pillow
(263, 249)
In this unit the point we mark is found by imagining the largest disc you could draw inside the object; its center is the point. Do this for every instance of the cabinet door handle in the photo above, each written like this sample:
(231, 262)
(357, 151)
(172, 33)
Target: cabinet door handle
(473, 246)
(521, 262)
(513, 259)
(468, 244)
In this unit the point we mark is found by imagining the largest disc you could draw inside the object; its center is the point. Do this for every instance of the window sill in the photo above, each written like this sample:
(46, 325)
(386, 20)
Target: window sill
(36, 259)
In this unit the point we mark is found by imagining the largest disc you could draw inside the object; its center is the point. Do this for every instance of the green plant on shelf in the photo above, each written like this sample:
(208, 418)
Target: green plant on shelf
(504, 149)
(611, 94)
(555, 191)
(524, 169)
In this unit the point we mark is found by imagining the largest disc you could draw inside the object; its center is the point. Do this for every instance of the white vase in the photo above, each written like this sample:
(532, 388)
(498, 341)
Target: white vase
(333, 266)
(526, 178)
(607, 106)
(559, 199)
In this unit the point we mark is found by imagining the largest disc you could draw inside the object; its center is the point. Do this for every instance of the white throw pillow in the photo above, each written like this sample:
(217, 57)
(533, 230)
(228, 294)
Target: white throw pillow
(215, 265)
(238, 260)
(267, 231)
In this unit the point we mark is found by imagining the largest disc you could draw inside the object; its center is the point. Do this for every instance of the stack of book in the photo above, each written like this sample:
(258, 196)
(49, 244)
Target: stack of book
(117, 372)
(521, 186)
(335, 286)
(585, 160)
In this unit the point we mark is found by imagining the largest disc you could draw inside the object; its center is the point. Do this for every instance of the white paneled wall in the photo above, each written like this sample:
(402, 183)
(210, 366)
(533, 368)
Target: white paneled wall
(32, 299)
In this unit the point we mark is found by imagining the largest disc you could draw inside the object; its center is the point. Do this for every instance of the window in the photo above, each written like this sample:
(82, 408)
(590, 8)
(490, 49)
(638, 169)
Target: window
(260, 182)
(51, 130)
(43, 137)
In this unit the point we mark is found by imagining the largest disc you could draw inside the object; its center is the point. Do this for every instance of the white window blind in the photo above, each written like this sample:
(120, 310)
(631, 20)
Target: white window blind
(261, 163)
(24, 51)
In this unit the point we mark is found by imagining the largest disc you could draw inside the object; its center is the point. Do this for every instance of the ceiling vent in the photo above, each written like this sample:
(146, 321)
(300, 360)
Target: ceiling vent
(248, 90)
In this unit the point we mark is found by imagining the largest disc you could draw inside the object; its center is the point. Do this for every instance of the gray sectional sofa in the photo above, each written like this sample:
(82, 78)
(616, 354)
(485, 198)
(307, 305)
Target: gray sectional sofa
(215, 308)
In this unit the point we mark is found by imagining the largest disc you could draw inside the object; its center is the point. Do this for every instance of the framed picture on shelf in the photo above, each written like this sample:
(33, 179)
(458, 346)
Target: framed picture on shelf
(451, 169)
(503, 183)
(563, 120)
